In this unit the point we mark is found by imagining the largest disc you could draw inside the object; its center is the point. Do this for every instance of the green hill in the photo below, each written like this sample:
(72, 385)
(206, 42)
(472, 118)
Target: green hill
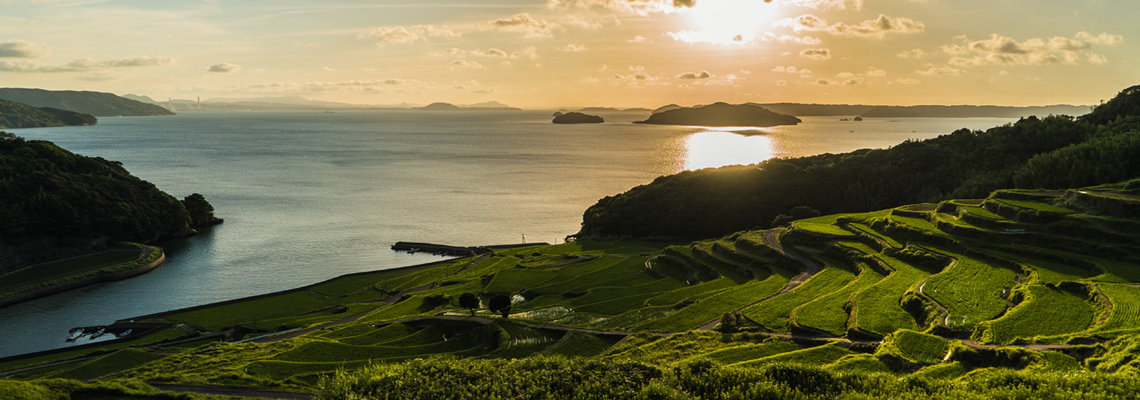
(94, 103)
(17, 115)
(1065, 152)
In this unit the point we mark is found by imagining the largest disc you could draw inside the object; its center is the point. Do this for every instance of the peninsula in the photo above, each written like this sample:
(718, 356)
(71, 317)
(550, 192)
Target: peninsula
(721, 114)
(99, 104)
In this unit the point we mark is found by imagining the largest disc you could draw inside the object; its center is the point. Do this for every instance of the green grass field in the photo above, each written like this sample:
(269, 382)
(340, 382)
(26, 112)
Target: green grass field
(774, 314)
(1045, 312)
(971, 290)
(878, 307)
(827, 313)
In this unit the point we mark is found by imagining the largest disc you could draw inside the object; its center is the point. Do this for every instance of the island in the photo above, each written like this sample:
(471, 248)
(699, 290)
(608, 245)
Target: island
(721, 114)
(576, 118)
(19, 115)
(99, 104)
(439, 106)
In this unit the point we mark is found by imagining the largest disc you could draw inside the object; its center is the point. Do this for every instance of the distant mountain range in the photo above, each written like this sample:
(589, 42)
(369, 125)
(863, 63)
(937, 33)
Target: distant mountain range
(19, 115)
(487, 106)
(95, 103)
(959, 111)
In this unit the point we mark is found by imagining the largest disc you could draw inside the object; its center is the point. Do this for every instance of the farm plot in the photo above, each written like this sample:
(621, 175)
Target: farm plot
(579, 344)
(773, 314)
(514, 280)
(1125, 316)
(580, 277)
(828, 313)
(714, 306)
(823, 229)
(748, 352)
(870, 231)
(914, 346)
(970, 290)
(821, 355)
(1047, 271)
(616, 300)
(878, 308)
(1044, 312)
(691, 293)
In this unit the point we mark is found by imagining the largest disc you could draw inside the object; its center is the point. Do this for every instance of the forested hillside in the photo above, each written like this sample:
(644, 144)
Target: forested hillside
(17, 115)
(94, 103)
(963, 164)
(48, 191)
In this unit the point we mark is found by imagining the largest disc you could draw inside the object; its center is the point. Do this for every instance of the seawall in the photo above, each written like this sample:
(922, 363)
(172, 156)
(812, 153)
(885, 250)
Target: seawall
(115, 276)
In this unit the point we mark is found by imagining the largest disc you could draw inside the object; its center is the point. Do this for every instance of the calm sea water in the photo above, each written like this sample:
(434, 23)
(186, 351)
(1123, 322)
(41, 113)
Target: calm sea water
(308, 196)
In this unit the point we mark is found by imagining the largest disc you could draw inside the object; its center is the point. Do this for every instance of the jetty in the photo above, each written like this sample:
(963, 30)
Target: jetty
(458, 251)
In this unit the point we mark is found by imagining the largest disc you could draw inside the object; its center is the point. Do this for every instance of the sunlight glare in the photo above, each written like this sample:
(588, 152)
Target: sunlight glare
(713, 149)
(729, 21)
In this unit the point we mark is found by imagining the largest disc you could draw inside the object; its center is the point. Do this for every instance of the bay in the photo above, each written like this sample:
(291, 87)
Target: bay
(308, 196)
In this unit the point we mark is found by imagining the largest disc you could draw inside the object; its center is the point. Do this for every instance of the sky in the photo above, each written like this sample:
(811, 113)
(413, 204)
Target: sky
(578, 53)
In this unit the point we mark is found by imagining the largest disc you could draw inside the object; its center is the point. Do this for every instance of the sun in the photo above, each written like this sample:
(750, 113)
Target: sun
(729, 21)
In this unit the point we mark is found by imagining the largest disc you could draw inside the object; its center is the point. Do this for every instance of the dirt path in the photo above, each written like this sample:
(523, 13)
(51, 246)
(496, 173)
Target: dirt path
(811, 267)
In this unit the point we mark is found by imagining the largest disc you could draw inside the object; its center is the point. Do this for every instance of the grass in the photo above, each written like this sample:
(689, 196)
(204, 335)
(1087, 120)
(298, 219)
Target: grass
(1033, 205)
(858, 364)
(714, 306)
(614, 300)
(58, 269)
(827, 313)
(691, 293)
(982, 212)
(886, 239)
(515, 280)
(579, 344)
(1044, 312)
(824, 229)
(118, 361)
(774, 314)
(970, 290)
(820, 355)
(592, 274)
(1047, 271)
(915, 346)
(878, 309)
(1125, 315)
(748, 352)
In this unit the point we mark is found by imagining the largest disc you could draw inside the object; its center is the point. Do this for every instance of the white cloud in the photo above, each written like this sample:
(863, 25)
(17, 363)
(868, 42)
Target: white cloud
(933, 70)
(877, 28)
(464, 64)
(1003, 50)
(816, 54)
(1104, 38)
(573, 47)
(408, 34)
(907, 81)
(528, 53)
(914, 53)
(85, 64)
(639, 39)
(853, 81)
(524, 24)
(827, 4)
(1094, 58)
(223, 68)
(806, 40)
(872, 71)
(638, 7)
(825, 82)
(22, 49)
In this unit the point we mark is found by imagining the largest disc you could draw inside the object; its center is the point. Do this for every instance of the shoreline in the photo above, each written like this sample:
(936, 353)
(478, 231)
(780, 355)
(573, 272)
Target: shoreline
(93, 279)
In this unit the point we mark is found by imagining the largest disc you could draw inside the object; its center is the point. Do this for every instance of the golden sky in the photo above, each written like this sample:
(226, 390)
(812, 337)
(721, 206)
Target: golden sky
(573, 53)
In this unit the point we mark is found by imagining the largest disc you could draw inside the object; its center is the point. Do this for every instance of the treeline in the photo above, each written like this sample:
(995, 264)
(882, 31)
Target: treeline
(964, 164)
(94, 103)
(17, 115)
(48, 191)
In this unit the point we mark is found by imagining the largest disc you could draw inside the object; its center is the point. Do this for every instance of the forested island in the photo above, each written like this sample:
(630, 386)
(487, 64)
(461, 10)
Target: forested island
(98, 104)
(17, 115)
(576, 118)
(720, 114)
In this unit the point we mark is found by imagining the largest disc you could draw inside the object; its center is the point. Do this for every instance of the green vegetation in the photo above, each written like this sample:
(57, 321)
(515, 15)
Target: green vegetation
(1046, 311)
(18, 115)
(971, 290)
(776, 314)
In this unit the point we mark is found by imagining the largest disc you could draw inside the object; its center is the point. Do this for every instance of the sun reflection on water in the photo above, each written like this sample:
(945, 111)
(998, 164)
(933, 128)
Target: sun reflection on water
(713, 149)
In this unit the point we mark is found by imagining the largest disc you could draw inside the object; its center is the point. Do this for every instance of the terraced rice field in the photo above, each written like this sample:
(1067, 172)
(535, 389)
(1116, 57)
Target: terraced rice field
(971, 290)
(1045, 312)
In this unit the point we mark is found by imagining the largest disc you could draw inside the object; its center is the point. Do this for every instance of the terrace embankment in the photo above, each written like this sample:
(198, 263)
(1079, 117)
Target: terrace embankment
(145, 253)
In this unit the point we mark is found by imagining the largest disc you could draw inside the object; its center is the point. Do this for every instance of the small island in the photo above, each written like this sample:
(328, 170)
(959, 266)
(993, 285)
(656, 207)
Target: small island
(721, 114)
(576, 118)
(439, 107)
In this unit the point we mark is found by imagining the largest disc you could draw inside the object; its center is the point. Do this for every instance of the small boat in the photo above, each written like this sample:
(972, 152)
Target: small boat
(413, 251)
(75, 335)
(97, 333)
(125, 333)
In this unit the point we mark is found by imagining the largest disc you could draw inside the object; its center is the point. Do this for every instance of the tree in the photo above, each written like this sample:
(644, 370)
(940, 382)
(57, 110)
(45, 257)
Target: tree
(501, 304)
(729, 322)
(469, 301)
(201, 212)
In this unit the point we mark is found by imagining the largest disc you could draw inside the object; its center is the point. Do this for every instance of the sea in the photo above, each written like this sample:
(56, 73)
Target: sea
(311, 195)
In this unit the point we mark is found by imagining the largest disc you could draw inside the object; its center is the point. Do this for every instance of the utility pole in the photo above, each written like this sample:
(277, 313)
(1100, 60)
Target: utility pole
(524, 238)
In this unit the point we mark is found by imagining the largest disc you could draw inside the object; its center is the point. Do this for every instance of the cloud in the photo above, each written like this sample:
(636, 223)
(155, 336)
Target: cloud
(713, 37)
(390, 85)
(907, 81)
(223, 68)
(825, 82)
(872, 71)
(803, 72)
(22, 49)
(1004, 50)
(639, 39)
(806, 40)
(876, 28)
(1103, 39)
(99, 76)
(493, 52)
(781, 82)
(84, 64)
(1094, 58)
(573, 47)
(816, 54)
(525, 24)
(695, 75)
(638, 78)
(408, 34)
(853, 81)
(528, 53)
(483, 91)
(827, 4)
(464, 64)
(915, 54)
(638, 7)
(933, 70)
